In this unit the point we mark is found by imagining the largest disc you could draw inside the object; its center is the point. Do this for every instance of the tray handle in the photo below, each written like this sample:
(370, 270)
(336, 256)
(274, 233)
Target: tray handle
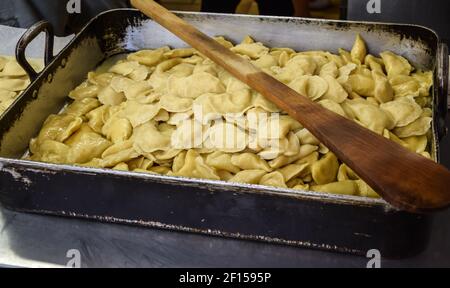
(27, 38)
(442, 84)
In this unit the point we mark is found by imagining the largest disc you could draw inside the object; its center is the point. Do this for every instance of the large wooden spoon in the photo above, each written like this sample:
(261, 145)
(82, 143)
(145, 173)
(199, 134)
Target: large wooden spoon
(404, 179)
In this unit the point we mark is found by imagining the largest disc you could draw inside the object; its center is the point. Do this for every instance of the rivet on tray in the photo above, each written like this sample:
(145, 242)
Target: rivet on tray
(35, 94)
(63, 63)
(50, 78)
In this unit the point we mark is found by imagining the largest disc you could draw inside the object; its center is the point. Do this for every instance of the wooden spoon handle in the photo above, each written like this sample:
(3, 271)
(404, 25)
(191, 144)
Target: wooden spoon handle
(404, 179)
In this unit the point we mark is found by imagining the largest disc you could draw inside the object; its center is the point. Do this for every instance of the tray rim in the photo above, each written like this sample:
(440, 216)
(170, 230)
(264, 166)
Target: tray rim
(50, 168)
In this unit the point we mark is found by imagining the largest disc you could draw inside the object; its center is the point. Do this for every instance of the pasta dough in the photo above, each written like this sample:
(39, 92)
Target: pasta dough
(13, 80)
(175, 112)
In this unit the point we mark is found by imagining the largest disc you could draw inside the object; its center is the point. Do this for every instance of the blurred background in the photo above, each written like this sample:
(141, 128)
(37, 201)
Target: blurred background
(24, 13)
(329, 9)
(420, 12)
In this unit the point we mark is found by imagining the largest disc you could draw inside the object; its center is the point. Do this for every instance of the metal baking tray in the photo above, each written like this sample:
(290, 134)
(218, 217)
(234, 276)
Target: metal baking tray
(302, 218)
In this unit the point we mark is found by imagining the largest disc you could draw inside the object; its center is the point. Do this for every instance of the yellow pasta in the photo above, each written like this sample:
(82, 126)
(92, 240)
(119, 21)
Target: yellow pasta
(13, 80)
(174, 112)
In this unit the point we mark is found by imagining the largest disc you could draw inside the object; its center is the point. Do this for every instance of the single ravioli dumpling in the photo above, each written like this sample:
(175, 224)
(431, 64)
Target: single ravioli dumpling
(276, 127)
(181, 70)
(117, 129)
(371, 116)
(227, 137)
(427, 112)
(175, 104)
(149, 57)
(346, 56)
(307, 137)
(121, 167)
(189, 134)
(5, 105)
(325, 170)
(233, 85)
(405, 86)
(237, 102)
(166, 66)
(252, 50)
(148, 138)
(250, 161)
(281, 161)
(195, 85)
(248, 176)
(425, 80)
(140, 163)
(112, 160)
(383, 89)
(125, 68)
(12, 69)
(108, 96)
(14, 85)
(335, 59)
(301, 64)
(6, 95)
(57, 128)
(176, 119)
(274, 148)
(82, 107)
(362, 84)
(313, 87)
(262, 102)
(332, 106)
(138, 113)
(330, 69)
(84, 91)
(365, 190)
(195, 167)
(346, 70)
(138, 90)
(222, 161)
(100, 79)
(180, 53)
(224, 175)
(417, 144)
(294, 170)
(178, 161)
(359, 50)
(85, 145)
(168, 155)
(52, 152)
(224, 42)
(162, 116)
(291, 146)
(417, 128)
(403, 110)
(121, 84)
(335, 91)
(396, 64)
(375, 64)
(346, 173)
(265, 61)
(274, 179)
(346, 187)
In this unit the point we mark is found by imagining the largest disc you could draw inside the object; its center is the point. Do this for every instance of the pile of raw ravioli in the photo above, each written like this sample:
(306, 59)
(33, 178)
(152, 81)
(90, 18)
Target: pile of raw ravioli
(13, 80)
(138, 116)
